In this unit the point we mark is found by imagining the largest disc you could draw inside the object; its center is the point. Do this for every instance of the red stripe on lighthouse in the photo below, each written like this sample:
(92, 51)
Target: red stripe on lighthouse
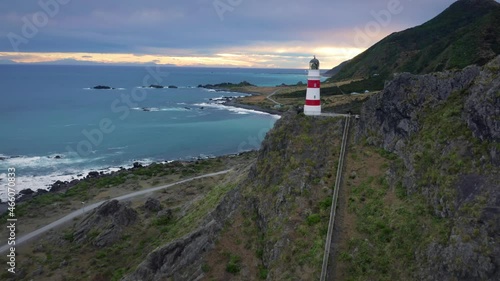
(313, 102)
(313, 84)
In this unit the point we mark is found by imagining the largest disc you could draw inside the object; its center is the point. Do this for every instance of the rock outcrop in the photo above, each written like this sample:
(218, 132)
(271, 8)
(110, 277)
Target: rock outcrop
(393, 114)
(294, 169)
(181, 259)
(153, 205)
(103, 87)
(445, 128)
(104, 226)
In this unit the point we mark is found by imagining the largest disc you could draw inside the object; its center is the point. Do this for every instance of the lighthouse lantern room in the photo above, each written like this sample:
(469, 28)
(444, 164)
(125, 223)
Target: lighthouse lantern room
(313, 102)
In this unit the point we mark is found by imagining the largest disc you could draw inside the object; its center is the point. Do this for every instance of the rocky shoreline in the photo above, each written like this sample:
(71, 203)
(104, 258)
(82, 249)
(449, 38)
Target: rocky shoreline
(59, 186)
(253, 107)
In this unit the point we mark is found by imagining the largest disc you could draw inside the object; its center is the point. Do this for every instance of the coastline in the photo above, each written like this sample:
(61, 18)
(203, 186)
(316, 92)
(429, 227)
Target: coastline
(233, 102)
(61, 186)
(253, 107)
(58, 183)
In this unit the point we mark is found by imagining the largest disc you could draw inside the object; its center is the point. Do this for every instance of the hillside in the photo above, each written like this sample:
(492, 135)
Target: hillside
(466, 33)
(419, 199)
(442, 221)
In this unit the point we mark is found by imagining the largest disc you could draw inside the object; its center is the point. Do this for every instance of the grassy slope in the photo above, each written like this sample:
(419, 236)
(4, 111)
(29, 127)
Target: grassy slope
(386, 227)
(464, 34)
(381, 226)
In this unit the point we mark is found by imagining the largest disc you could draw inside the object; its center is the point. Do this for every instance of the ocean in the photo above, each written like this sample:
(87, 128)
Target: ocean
(54, 126)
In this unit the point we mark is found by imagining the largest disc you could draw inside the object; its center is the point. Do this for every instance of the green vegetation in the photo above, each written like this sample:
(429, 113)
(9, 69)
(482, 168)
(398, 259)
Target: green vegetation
(389, 229)
(464, 34)
(263, 272)
(375, 83)
(226, 85)
(234, 264)
(394, 225)
(313, 219)
(196, 213)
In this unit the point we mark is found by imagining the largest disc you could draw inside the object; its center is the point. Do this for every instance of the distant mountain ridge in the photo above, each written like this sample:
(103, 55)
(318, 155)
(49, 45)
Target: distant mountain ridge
(468, 32)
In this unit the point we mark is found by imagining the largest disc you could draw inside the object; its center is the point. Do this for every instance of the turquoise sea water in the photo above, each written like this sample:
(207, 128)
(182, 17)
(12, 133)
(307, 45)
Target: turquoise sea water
(47, 112)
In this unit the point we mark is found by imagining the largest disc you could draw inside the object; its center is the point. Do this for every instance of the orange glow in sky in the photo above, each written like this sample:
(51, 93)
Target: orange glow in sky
(263, 57)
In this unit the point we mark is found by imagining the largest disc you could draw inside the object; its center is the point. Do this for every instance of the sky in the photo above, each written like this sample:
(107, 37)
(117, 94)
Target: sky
(206, 33)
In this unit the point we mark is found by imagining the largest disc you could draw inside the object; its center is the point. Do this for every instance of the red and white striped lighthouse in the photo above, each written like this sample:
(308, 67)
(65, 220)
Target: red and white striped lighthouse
(313, 102)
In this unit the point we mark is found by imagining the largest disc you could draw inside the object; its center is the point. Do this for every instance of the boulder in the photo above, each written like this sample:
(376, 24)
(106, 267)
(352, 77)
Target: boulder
(152, 205)
(26, 191)
(93, 174)
(167, 213)
(41, 191)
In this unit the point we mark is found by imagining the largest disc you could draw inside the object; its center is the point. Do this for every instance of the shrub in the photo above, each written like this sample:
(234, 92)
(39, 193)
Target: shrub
(234, 264)
(313, 219)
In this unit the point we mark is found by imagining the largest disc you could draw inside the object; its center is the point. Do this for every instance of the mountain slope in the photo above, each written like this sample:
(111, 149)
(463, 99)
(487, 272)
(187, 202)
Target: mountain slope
(466, 33)
(444, 129)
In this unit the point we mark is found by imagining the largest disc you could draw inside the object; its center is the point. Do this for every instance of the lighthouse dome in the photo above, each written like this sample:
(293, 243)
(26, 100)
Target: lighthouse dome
(314, 63)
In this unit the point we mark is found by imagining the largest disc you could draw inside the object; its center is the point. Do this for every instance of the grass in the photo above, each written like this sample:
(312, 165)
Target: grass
(393, 225)
(387, 235)
(234, 264)
(371, 84)
(196, 213)
(313, 219)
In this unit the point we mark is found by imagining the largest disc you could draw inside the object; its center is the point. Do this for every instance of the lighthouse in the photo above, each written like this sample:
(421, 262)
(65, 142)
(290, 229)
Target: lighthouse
(313, 102)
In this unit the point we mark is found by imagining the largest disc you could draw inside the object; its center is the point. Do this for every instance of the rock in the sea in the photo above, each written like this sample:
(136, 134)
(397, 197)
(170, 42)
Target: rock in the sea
(26, 191)
(156, 86)
(172, 87)
(93, 174)
(41, 191)
(137, 165)
(102, 87)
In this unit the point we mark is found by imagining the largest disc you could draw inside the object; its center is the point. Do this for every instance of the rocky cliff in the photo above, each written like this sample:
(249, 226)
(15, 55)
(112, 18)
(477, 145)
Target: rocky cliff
(289, 187)
(181, 259)
(445, 129)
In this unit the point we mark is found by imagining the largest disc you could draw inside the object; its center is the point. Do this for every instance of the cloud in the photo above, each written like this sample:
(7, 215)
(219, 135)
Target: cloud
(279, 29)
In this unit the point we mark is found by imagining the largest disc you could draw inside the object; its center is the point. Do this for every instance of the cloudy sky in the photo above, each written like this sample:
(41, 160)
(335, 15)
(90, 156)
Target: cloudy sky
(227, 33)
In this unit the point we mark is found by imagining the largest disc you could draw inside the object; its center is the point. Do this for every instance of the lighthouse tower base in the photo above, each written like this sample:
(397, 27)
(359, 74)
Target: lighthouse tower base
(312, 110)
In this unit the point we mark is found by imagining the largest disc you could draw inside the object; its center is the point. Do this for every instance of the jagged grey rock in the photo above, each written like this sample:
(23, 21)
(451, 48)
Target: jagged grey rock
(152, 205)
(181, 259)
(391, 118)
(104, 226)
